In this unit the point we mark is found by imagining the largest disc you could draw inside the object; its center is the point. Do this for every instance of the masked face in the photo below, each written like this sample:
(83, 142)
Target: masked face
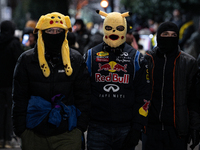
(114, 29)
(167, 37)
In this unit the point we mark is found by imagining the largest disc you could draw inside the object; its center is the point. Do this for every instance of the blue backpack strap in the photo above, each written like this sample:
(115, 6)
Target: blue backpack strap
(89, 61)
(136, 62)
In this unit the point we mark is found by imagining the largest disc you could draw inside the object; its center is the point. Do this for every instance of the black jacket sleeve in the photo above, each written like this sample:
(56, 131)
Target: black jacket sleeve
(82, 93)
(20, 96)
(194, 103)
(143, 94)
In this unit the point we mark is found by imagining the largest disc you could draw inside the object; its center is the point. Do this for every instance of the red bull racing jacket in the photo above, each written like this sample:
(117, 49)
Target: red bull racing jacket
(120, 85)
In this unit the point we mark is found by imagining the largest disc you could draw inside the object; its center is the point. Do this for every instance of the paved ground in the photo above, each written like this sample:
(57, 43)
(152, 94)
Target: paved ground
(139, 147)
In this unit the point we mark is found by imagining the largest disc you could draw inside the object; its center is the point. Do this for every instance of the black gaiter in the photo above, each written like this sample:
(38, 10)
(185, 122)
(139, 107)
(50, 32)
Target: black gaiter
(167, 44)
(53, 42)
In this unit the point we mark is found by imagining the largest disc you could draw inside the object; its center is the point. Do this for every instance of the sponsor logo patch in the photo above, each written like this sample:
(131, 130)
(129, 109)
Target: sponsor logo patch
(102, 54)
(112, 66)
(61, 71)
(111, 87)
(112, 77)
(144, 109)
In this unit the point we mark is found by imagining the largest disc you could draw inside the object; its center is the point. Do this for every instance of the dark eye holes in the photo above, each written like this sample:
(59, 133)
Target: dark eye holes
(119, 28)
(54, 17)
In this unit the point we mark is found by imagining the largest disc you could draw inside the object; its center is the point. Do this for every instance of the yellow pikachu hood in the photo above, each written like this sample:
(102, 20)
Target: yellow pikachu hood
(51, 20)
(114, 28)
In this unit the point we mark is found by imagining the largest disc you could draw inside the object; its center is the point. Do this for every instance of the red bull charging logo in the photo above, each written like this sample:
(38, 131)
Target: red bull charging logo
(144, 109)
(112, 67)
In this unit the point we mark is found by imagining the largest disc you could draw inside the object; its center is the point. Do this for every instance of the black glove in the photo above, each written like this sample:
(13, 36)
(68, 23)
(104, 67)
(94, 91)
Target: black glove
(194, 135)
(131, 139)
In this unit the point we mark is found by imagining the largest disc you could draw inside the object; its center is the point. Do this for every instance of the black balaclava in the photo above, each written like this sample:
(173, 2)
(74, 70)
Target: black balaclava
(167, 44)
(53, 42)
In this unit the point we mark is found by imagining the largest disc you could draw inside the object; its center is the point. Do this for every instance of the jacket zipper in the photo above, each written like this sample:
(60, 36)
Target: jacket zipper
(52, 79)
(162, 90)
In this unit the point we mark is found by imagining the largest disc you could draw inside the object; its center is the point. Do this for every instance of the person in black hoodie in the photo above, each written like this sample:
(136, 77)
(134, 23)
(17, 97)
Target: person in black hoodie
(171, 74)
(51, 90)
(10, 50)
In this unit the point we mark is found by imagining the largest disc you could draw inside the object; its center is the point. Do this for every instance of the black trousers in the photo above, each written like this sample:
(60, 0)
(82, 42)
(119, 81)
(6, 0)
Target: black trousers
(5, 114)
(157, 139)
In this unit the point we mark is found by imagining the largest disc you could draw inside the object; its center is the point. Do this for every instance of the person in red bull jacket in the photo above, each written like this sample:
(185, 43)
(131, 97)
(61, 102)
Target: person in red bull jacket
(172, 115)
(120, 89)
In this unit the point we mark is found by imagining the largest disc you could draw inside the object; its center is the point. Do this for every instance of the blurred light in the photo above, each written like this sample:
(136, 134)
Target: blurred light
(151, 36)
(104, 3)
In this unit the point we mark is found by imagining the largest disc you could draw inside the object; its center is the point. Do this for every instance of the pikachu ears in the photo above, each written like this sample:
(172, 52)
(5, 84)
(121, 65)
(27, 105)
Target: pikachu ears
(68, 23)
(54, 19)
(126, 14)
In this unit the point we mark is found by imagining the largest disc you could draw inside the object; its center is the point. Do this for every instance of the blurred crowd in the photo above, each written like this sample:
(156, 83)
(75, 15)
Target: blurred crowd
(141, 32)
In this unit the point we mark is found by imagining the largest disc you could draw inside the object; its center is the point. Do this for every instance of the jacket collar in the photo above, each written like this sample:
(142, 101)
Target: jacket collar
(155, 52)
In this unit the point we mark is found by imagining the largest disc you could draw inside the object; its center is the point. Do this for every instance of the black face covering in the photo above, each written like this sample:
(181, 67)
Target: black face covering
(167, 44)
(53, 42)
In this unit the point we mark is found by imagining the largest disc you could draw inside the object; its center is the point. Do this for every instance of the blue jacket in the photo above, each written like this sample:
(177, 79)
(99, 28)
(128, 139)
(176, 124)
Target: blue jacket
(120, 86)
(39, 108)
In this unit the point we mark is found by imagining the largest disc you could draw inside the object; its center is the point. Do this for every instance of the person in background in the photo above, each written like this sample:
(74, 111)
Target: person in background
(130, 39)
(177, 18)
(186, 29)
(10, 50)
(95, 38)
(82, 34)
(120, 88)
(51, 90)
(28, 38)
(31, 23)
(158, 20)
(192, 45)
(172, 114)
(71, 37)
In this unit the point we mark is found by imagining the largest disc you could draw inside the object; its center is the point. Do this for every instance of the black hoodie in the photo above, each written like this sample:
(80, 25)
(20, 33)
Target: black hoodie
(161, 110)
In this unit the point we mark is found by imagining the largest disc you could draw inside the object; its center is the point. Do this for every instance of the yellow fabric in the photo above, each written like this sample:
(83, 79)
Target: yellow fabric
(143, 112)
(114, 20)
(41, 57)
(153, 40)
(49, 21)
(144, 109)
(184, 27)
(66, 57)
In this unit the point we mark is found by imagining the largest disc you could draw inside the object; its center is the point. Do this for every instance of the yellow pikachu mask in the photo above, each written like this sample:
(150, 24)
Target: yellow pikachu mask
(114, 28)
(51, 20)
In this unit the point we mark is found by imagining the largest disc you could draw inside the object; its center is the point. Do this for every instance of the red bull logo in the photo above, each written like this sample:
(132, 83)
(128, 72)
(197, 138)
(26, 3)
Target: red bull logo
(144, 109)
(112, 77)
(112, 67)
(146, 105)
(105, 67)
